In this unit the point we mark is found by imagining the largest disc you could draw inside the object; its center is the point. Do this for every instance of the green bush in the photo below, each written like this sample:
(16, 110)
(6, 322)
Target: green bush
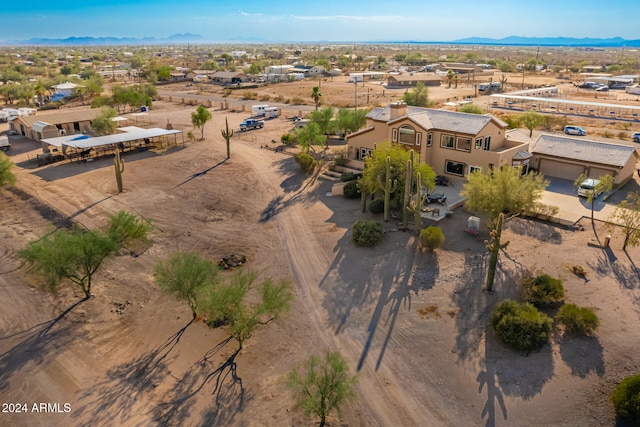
(305, 161)
(431, 238)
(376, 206)
(520, 326)
(543, 290)
(626, 399)
(577, 320)
(351, 190)
(349, 176)
(366, 233)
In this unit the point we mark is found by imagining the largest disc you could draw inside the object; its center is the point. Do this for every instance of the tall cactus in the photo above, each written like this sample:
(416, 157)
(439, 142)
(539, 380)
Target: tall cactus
(494, 247)
(415, 205)
(118, 163)
(227, 134)
(387, 187)
(408, 188)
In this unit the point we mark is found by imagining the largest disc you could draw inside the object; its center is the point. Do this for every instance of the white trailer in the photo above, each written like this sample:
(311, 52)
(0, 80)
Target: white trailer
(271, 112)
(258, 110)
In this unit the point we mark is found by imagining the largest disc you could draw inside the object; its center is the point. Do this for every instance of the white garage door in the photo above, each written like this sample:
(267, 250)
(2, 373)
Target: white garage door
(558, 169)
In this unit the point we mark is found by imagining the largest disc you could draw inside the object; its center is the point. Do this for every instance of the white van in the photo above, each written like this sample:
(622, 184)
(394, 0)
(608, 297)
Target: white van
(587, 187)
(574, 130)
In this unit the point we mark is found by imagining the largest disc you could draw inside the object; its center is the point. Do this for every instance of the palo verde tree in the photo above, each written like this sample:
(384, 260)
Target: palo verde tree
(6, 176)
(324, 120)
(503, 189)
(376, 165)
(103, 124)
(604, 185)
(349, 121)
(75, 254)
(531, 120)
(627, 216)
(309, 136)
(186, 275)
(322, 386)
(418, 97)
(315, 95)
(200, 118)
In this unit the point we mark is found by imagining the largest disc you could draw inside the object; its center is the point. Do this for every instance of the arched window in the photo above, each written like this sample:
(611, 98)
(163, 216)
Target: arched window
(407, 135)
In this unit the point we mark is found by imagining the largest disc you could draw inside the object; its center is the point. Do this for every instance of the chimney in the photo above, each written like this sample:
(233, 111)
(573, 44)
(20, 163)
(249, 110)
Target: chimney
(398, 109)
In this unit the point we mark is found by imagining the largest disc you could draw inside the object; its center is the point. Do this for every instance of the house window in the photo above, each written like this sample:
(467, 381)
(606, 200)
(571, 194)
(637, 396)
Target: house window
(429, 139)
(394, 135)
(463, 144)
(364, 153)
(454, 168)
(418, 138)
(473, 169)
(478, 143)
(487, 143)
(407, 135)
(447, 141)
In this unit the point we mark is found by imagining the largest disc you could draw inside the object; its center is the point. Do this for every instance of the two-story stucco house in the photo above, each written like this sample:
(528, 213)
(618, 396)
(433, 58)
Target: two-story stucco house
(452, 143)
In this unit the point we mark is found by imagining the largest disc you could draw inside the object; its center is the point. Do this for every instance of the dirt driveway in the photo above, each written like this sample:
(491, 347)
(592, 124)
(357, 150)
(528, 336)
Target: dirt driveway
(412, 324)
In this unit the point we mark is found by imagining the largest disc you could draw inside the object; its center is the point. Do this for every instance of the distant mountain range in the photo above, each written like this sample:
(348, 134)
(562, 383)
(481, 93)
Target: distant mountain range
(107, 41)
(551, 41)
(188, 38)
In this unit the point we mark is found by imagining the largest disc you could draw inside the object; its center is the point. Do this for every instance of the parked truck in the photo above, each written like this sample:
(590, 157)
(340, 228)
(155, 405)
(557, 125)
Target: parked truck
(250, 124)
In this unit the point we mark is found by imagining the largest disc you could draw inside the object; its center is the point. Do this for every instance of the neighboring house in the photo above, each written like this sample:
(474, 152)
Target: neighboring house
(412, 79)
(278, 69)
(566, 158)
(67, 123)
(228, 77)
(452, 143)
(66, 89)
(40, 130)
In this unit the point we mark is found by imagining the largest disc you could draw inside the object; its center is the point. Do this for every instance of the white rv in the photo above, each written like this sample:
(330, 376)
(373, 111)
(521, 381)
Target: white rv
(271, 112)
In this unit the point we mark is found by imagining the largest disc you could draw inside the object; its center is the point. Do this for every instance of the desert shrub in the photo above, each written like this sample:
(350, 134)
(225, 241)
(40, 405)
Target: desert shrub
(297, 101)
(190, 136)
(626, 399)
(100, 101)
(543, 290)
(577, 320)
(249, 95)
(279, 98)
(376, 206)
(349, 176)
(226, 93)
(366, 233)
(520, 326)
(351, 190)
(305, 161)
(265, 98)
(431, 238)
(607, 134)
(288, 138)
(621, 135)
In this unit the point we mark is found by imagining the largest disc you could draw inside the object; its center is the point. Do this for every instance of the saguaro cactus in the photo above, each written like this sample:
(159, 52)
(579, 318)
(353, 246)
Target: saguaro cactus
(494, 247)
(415, 205)
(387, 187)
(227, 134)
(408, 188)
(118, 163)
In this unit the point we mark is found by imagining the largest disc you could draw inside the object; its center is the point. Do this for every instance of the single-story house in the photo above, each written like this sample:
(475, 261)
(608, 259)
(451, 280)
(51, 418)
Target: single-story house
(228, 77)
(66, 89)
(66, 122)
(398, 81)
(566, 158)
(452, 143)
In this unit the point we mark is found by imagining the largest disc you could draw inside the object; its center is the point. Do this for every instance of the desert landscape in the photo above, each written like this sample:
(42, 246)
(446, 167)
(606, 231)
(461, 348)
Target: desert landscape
(413, 325)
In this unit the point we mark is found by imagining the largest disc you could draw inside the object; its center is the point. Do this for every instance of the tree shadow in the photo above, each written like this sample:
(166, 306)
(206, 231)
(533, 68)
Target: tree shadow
(35, 344)
(200, 174)
(227, 389)
(279, 203)
(114, 399)
(584, 355)
(538, 230)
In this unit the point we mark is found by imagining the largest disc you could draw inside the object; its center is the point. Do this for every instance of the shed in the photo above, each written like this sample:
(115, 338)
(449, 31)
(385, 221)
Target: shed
(40, 130)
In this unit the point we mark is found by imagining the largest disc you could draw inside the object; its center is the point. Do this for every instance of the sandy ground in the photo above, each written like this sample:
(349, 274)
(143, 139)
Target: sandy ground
(412, 324)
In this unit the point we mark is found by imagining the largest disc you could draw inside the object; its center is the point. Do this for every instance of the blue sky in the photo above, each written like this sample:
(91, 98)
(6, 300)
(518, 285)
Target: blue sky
(320, 20)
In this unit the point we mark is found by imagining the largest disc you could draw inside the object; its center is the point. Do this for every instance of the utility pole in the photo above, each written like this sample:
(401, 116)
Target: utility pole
(355, 85)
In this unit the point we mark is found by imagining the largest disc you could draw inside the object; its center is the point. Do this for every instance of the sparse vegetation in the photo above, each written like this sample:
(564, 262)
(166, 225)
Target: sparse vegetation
(366, 233)
(626, 399)
(431, 238)
(543, 290)
(306, 162)
(577, 320)
(520, 326)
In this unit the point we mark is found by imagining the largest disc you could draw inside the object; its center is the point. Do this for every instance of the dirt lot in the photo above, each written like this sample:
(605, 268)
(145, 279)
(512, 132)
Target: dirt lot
(412, 324)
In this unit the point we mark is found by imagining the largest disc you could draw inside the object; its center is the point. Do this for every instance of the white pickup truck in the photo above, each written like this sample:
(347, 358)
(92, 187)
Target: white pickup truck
(4, 143)
(249, 124)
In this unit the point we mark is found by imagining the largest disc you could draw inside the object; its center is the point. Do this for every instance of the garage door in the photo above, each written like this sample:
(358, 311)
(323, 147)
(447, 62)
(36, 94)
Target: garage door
(596, 172)
(557, 169)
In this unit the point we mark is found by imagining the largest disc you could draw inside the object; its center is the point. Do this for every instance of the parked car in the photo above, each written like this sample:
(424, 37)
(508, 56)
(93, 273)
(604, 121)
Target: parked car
(602, 88)
(574, 130)
(587, 187)
(636, 137)
(249, 124)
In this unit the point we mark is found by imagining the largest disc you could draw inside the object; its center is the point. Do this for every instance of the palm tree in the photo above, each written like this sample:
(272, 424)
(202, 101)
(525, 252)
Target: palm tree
(316, 95)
